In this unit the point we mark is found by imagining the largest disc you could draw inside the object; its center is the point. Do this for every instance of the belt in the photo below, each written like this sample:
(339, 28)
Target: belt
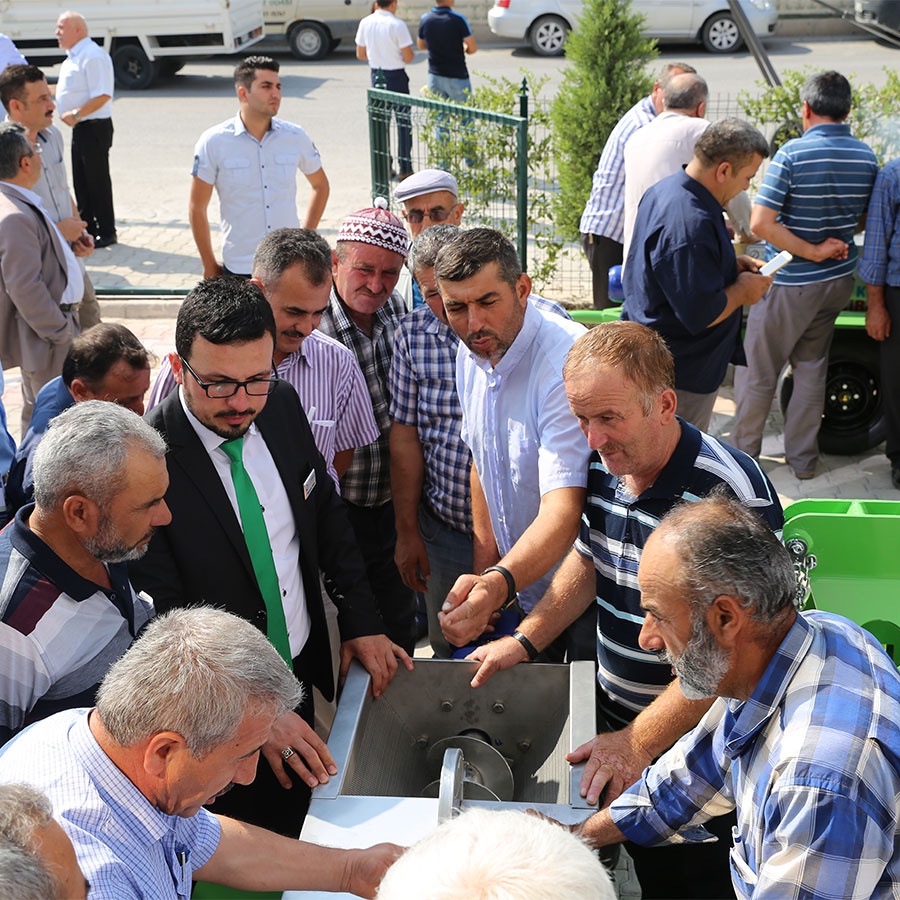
(70, 307)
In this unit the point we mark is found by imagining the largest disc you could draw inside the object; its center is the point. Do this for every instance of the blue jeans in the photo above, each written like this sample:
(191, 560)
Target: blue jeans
(398, 81)
(449, 556)
(459, 90)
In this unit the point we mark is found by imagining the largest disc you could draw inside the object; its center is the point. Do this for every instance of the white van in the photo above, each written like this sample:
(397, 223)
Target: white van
(314, 27)
(144, 39)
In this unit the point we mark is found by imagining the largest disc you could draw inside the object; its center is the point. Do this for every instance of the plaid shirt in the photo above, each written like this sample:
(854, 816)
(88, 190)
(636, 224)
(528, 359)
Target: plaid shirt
(368, 480)
(880, 260)
(811, 761)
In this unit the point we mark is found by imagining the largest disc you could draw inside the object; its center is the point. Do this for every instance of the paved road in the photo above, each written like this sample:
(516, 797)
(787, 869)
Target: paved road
(156, 131)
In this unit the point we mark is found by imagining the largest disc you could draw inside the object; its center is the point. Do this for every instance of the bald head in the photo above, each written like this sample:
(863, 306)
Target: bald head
(70, 29)
(685, 93)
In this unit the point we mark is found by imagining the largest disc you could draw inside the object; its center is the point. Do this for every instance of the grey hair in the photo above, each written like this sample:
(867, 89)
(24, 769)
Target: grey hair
(685, 92)
(730, 140)
(665, 73)
(196, 672)
(828, 94)
(23, 810)
(85, 449)
(14, 147)
(727, 548)
(24, 875)
(427, 245)
(285, 247)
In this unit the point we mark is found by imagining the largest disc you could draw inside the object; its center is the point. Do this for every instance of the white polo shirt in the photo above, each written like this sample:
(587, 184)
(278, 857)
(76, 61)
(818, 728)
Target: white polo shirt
(86, 72)
(384, 36)
(256, 181)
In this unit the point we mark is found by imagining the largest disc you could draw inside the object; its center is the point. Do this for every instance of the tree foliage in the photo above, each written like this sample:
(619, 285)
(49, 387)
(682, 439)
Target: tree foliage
(874, 116)
(608, 57)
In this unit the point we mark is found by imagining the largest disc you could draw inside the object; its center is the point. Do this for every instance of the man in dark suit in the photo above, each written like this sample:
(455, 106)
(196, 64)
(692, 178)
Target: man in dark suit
(41, 284)
(232, 422)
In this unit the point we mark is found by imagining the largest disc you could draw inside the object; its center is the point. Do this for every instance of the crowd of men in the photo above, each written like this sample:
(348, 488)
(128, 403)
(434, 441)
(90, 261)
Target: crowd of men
(176, 581)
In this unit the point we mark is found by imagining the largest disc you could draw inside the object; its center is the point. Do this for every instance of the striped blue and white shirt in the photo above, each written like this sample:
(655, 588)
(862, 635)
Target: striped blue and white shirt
(127, 849)
(329, 382)
(616, 526)
(59, 632)
(819, 184)
(880, 260)
(811, 762)
(604, 213)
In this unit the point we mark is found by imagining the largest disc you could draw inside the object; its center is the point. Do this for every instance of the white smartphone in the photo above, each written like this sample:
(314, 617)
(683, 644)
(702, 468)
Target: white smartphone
(776, 263)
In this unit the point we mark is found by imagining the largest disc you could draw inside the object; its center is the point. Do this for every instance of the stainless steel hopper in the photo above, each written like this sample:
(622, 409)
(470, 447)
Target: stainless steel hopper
(431, 726)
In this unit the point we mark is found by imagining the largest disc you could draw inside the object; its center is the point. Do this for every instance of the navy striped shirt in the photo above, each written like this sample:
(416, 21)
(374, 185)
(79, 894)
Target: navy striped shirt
(615, 528)
(819, 184)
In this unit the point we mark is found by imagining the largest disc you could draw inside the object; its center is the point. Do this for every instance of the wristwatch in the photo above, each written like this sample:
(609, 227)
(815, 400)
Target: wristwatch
(75, 115)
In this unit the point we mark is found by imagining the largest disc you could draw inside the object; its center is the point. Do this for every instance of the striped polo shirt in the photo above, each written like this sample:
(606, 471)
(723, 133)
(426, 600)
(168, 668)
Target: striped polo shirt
(820, 185)
(59, 632)
(615, 527)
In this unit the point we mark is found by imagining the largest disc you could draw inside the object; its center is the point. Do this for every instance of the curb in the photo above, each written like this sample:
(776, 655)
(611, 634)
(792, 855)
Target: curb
(143, 308)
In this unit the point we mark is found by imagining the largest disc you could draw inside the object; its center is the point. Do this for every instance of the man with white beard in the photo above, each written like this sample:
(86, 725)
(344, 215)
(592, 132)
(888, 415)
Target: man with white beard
(67, 608)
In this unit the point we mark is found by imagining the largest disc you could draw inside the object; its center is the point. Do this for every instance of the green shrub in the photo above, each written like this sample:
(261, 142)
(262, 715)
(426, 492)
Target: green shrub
(608, 57)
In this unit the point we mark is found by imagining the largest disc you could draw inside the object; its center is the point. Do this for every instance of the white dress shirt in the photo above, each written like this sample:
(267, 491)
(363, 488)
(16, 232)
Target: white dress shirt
(86, 72)
(256, 182)
(525, 442)
(279, 518)
(383, 35)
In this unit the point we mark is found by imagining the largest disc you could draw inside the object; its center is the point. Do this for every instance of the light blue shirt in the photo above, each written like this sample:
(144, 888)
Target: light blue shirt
(125, 847)
(7, 446)
(256, 182)
(86, 72)
(524, 439)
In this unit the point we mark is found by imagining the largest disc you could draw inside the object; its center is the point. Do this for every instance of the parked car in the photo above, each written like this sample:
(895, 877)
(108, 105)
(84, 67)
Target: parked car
(880, 13)
(314, 27)
(546, 23)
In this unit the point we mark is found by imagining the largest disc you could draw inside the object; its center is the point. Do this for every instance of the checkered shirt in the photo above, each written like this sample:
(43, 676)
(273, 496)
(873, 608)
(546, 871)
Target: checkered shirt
(368, 480)
(811, 762)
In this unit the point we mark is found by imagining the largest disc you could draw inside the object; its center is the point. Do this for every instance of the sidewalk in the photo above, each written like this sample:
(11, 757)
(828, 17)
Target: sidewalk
(867, 476)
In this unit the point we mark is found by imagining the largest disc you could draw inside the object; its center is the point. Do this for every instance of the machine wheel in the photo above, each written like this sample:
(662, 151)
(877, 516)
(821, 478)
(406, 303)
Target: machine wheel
(134, 70)
(720, 34)
(853, 421)
(548, 36)
(309, 40)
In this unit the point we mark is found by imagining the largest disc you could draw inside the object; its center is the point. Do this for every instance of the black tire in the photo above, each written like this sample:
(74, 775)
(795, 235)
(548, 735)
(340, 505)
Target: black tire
(134, 70)
(548, 36)
(169, 66)
(309, 40)
(720, 34)
(334, 44)
(853, 421)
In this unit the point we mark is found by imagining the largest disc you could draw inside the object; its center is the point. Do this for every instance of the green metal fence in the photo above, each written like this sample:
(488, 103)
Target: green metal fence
(506, 169)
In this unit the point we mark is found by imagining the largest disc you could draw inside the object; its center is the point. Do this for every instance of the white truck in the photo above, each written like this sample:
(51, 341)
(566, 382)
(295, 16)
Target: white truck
(145, 39)
(313, 28)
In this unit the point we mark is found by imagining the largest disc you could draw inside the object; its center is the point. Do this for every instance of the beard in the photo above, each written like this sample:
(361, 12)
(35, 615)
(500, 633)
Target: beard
(107, 544)
(702, 664)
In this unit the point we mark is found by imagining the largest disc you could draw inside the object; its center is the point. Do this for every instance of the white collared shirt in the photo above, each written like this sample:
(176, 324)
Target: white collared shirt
(525, 442)
(86, 72)
(74, 277)
(256, 182)
(283, 537)
(383, 35)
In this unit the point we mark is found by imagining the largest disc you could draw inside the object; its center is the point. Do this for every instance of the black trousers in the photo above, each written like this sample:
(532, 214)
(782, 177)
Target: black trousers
(264, 801)
(376, 535)
(602, 254)
(91, 142)
(890, 376)
(398, 81)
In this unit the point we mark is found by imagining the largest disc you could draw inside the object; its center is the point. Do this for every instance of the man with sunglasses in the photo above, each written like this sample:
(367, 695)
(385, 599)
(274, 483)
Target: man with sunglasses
(255, 517)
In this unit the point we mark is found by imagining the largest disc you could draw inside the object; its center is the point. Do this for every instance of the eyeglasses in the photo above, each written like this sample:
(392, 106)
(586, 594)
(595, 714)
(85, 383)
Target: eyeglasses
(220, 390)
(438, 214)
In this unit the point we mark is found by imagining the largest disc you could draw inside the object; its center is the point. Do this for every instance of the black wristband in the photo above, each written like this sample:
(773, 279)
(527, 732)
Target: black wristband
(511, 592)
(530, 649)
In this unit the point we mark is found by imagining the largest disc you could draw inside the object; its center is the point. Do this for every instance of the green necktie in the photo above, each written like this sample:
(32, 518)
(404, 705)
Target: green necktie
(257, 539)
